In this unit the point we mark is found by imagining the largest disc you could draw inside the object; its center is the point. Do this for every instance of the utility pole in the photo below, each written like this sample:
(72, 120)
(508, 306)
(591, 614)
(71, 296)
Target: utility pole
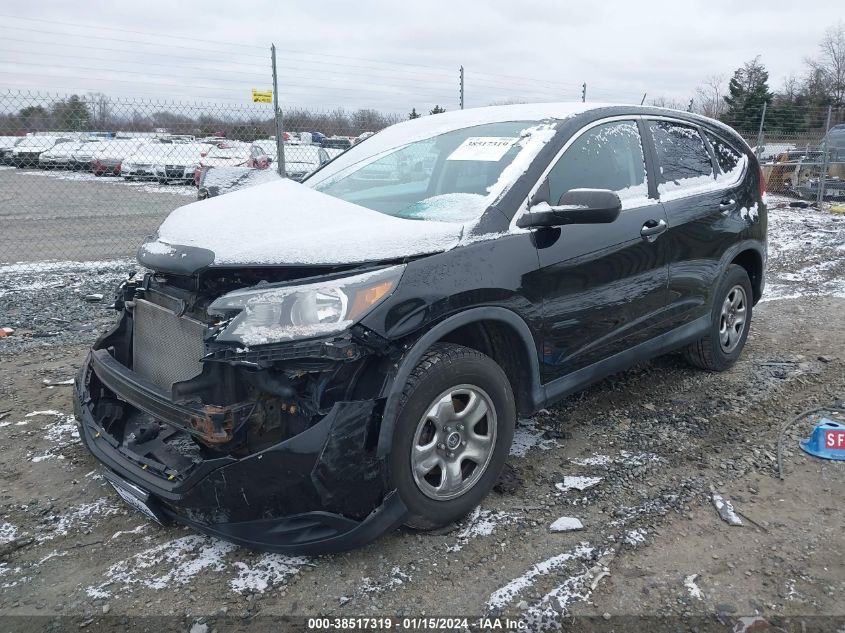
(825, 151)
(462, 87)
(277, 116)
(642, 101)
(584, 92)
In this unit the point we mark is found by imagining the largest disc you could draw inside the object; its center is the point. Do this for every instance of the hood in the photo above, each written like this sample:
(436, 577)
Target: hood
(284, 223)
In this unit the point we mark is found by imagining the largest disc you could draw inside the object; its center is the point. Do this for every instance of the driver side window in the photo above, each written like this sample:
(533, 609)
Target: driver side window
(608, 156)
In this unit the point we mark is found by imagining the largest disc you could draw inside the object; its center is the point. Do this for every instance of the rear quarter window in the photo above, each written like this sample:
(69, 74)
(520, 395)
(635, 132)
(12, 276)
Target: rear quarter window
(683, 159)
(730, 160)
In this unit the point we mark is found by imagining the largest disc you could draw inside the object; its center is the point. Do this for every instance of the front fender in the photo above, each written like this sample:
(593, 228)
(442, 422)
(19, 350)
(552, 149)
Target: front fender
(393, 387)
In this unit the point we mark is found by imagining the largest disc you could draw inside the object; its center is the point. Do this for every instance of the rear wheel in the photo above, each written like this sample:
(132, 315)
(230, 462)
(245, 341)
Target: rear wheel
(453, 433)
(730, 320)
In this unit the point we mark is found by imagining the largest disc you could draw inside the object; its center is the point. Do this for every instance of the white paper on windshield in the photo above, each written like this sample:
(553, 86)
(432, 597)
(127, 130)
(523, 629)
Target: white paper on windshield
(490, 148)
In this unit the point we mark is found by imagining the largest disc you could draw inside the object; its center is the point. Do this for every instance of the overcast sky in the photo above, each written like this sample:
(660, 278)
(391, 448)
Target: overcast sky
(395, 55)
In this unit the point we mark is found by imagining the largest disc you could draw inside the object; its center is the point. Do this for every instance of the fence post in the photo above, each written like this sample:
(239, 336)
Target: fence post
(584, 92)
(760, 138)
(823, 174)
(462, 87)
(277, 116)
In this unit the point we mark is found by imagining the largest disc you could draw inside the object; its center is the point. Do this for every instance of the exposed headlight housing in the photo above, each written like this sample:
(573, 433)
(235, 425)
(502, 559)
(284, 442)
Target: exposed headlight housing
(278, 314)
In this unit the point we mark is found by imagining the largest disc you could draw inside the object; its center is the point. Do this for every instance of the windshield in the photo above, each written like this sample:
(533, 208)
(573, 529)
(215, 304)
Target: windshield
(452, 177)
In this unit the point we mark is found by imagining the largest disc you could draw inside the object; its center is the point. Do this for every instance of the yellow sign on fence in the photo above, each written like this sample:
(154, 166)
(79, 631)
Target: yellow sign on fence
(262, 96)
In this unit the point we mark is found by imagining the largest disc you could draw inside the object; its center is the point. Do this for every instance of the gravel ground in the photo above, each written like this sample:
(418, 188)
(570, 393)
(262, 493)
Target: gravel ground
(649, 447)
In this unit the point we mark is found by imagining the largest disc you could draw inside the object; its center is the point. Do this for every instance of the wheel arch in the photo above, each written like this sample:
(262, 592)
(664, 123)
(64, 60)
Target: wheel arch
(497, 332)
(751, 259)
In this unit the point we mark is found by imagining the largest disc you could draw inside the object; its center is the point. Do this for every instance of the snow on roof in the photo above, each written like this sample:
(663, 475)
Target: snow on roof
(284, 222)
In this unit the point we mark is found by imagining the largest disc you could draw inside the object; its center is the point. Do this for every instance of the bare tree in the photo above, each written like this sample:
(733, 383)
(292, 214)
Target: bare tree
(829, 66)
(665, 102)
(709, 96)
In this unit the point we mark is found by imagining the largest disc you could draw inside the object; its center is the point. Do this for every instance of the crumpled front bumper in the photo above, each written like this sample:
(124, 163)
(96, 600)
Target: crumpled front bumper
(295, 497)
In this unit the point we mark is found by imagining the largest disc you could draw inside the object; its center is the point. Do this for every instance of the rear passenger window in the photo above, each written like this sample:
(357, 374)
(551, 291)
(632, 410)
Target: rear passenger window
(608, 156)
(683, 158)
(730, 160)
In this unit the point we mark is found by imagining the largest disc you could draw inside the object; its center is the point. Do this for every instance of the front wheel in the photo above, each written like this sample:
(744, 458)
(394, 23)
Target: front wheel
(730, 321)
(453, 434)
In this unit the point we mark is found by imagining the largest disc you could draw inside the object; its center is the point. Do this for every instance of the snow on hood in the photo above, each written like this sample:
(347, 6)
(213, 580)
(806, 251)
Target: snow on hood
(286, 223)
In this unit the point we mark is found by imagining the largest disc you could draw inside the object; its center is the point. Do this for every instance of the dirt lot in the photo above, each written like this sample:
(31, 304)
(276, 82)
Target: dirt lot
(653, 444)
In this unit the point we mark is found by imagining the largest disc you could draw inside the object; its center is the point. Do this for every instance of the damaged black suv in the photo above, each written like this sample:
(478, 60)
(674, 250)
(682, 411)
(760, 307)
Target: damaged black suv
(306, 366)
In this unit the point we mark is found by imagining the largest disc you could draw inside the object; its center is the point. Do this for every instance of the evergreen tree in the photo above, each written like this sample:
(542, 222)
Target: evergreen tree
(748, 90)
(72, 114)
(437, 110)
(413, 114)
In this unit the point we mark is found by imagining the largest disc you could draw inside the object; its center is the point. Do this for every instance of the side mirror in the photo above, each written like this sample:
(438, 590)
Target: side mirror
(576, 206)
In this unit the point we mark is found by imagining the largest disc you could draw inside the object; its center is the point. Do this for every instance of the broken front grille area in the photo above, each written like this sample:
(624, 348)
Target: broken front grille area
(166, 348)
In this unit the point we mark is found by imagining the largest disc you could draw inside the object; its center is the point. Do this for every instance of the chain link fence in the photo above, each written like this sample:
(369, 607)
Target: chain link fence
(87, 178)
(801, 149)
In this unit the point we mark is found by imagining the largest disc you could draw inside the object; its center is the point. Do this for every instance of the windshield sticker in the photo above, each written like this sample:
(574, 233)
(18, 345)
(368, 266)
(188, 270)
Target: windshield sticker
(489, 148)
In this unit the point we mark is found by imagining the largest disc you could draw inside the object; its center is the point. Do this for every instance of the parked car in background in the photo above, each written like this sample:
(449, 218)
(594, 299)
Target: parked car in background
(182, 162)
(83, 155)
(229, 154)
(108, 156)
(834, 141)
(7, 144)
(141, 164)
(364, 136)
(61, 155)
(27, 151)
(262, 154)
(337, 142)
(216, 181)
(306, 366)
(301, 160)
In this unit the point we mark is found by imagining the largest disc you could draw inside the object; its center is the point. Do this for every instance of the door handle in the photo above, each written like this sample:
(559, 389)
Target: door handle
(727, 205)
(652, 229)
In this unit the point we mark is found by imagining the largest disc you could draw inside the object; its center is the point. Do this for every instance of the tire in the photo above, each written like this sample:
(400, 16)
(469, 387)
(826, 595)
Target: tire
(461, 380)
(711, 352)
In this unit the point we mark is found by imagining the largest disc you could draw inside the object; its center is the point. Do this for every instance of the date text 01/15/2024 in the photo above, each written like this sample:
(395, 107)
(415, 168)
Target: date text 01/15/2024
(421, 623)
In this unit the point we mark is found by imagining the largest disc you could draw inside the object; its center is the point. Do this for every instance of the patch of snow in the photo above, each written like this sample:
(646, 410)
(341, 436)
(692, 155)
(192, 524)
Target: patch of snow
(566, 524)
(577, 483)
(625, 458)
(693, 589)
(45, 412)
(174, 563)
(8, 532)
(397, 578)
(268, 571)
(136, 530)
(635, 537)
(505, 595)
(480, 523)
(726, 510)
(527, 436)
(78, 517)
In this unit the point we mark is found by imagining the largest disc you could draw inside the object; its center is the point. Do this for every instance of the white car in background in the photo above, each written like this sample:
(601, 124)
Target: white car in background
(108, 156)
(83, 154)
(182, 162)
(142, 163)
(29, 148)
(61, 155)
(7, 144)
(301, 160)
(229, 154)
